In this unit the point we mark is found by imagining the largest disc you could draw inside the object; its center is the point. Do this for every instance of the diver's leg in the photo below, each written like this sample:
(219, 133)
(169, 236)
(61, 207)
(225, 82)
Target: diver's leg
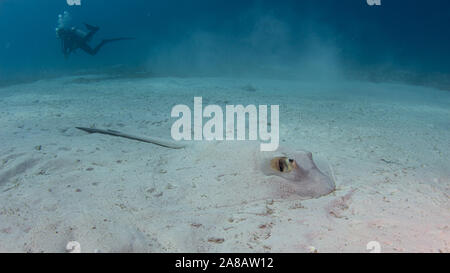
(94, 51)
(86, 48)
(92, 31)
(91, 27)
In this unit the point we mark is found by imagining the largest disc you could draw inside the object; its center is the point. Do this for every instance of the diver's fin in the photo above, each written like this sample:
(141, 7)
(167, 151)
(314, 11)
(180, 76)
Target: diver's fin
(91, 27)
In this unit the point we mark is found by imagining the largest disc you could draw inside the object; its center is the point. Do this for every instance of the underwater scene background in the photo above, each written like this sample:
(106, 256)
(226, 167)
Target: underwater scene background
(359, 104)
(199, 37)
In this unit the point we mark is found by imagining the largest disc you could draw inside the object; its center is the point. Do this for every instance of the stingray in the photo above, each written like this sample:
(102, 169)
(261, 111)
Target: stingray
(299, 174)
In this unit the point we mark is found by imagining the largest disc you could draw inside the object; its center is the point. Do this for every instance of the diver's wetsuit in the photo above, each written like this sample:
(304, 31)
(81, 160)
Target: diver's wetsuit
(72, 39)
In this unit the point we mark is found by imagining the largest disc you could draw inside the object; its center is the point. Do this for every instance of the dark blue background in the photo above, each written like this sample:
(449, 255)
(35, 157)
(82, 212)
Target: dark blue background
(400, 34)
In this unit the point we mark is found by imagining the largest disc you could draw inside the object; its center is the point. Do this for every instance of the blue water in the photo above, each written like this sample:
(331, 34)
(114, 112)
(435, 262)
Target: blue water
(230, 36)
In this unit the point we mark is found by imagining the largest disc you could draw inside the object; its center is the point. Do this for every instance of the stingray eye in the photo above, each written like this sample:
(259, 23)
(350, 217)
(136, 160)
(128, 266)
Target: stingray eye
(282, 164)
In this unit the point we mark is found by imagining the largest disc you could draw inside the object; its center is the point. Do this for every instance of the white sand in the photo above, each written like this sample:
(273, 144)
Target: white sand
(388, 144)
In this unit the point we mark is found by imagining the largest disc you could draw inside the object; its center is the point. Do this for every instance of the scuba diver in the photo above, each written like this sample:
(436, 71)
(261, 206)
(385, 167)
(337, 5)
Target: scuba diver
(73, 38)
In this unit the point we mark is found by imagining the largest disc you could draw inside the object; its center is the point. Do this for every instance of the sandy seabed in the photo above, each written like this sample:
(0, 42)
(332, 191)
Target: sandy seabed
(387, 144)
